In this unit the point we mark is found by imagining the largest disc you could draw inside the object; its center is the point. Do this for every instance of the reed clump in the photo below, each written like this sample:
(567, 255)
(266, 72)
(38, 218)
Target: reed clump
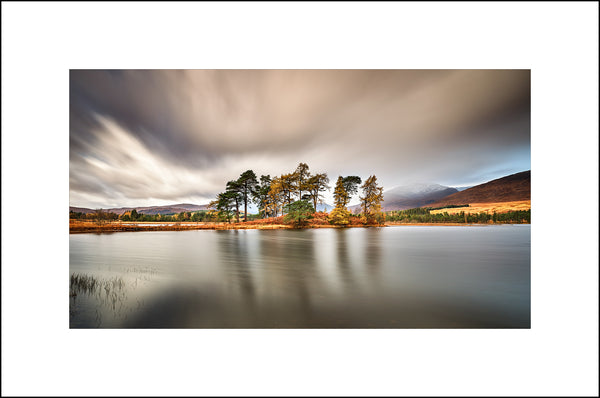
(83, 283)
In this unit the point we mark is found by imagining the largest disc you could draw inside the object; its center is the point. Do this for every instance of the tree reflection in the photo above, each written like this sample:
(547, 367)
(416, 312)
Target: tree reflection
(344, 262)
(289, 268)
(373, 256)
(301, 250)
(238, 265)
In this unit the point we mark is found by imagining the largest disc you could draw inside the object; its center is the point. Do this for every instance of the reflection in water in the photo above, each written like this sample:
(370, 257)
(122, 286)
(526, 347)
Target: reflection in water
(373, 254)
(301, 251)
(409, 277)
(343, 260)
(288, 267)
(237, 263)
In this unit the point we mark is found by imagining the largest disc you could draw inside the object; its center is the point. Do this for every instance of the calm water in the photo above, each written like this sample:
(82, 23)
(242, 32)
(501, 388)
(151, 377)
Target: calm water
(394, 277)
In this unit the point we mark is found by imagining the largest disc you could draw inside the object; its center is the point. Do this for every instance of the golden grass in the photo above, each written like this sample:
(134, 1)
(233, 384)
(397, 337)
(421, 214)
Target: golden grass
(437, 224)
(76, 226)
(83, 226)
(498, 207)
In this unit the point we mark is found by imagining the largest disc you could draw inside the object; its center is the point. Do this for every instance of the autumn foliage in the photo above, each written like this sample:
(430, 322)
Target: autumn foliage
(284, 201)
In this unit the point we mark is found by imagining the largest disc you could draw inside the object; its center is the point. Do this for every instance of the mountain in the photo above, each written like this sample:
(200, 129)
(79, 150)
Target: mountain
(511, 188)
(83, 210)
(411, 196)
(463, 188)
(324, 207)
(168, 209)
(414, 195)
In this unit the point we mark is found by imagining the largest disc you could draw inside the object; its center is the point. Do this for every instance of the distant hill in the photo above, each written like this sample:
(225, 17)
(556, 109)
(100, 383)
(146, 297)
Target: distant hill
(506, 189)
(324, 207)
(411, 196)
(169, 209)
(83, 210)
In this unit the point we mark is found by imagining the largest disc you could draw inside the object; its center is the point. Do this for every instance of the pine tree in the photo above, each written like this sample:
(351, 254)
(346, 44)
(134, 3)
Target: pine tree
(351, 184)
(261, 195)
(276, 196)
(288, 187)
(234, 188)
(340, 215)
(301, 176)
(340, 195)
(225, 203)
(299, 212)
(247, 186)
(315, 185)
(372, 196)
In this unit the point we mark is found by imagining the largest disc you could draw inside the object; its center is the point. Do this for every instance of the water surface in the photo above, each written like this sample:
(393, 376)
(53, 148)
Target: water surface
(393, 277)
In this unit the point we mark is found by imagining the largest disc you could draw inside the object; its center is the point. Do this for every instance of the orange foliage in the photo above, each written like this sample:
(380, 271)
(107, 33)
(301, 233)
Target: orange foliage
(320, 220)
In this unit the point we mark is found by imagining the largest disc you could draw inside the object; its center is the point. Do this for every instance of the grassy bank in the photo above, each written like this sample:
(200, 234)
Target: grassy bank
(84, 226)
(117, 226)
(476, 214)
(91, 227)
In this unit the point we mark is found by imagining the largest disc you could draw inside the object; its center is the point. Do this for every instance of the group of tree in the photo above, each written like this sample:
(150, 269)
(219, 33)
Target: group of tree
(424, 215)
(370, 200)
(299, 185)
(184, 216)
(297, 194)
(273, 196)
(100, 216)
(237, 192)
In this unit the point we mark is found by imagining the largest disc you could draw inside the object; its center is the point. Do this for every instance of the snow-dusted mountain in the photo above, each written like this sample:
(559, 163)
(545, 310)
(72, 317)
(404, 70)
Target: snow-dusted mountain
(415, 190)
(412, 195)
(463, 188)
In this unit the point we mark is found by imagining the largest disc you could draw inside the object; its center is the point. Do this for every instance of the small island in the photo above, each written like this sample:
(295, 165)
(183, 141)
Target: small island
(290, 201)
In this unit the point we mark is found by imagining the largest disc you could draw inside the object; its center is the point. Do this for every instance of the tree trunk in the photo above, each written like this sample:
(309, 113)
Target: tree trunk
(245, 202)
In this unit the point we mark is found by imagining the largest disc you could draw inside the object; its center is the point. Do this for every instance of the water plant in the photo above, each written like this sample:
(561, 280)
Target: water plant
(83, 283)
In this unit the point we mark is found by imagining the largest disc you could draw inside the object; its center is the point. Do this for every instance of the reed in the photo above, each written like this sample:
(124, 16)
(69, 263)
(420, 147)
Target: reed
(83, 283)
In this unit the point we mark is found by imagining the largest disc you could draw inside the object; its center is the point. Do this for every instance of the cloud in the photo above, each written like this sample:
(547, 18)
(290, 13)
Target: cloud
(166, 135)
(119, 166)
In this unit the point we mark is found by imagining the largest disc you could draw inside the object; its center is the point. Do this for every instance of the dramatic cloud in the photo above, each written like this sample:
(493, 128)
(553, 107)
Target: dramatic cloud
(159, 137)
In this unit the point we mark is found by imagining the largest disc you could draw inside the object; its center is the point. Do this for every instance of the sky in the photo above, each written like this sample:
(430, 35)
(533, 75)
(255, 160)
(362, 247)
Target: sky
(158, 137)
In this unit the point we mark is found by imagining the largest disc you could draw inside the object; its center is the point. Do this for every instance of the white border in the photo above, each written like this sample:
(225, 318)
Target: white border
(558, 41)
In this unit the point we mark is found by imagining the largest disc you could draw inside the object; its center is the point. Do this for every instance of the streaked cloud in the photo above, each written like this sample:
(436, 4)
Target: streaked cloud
(163, 136)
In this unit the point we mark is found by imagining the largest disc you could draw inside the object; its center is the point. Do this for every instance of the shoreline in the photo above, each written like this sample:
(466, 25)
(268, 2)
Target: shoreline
(89, 227)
